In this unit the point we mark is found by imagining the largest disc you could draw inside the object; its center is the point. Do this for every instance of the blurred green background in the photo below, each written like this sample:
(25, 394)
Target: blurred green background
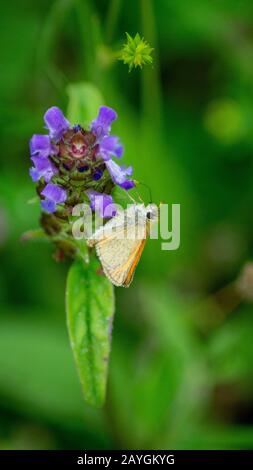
(182, 352)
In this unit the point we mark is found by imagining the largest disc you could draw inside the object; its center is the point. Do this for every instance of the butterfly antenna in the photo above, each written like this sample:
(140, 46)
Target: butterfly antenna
(149, 190)
(131, 198)
(139, 197)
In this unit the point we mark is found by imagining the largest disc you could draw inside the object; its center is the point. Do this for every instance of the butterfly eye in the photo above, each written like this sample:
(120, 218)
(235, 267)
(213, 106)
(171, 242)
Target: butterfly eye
(149, 215)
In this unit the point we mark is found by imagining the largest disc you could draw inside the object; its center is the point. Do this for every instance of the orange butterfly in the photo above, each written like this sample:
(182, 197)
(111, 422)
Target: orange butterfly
(120, 242)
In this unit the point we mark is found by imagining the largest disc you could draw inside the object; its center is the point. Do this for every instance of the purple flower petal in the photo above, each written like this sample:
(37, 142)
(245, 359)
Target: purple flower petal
(101, 203)
(110, 147)
(128, 170)
(34, 174)
(81, 169)
(41, 146)
(48, 206)
(43, 168)
(119, 174)
(98, 175)
(128, 184)
(101, 126)
(56, 123)
(55, 193)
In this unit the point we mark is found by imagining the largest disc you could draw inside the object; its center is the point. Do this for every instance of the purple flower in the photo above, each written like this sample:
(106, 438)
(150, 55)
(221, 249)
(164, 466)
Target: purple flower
(101, 126)
(40, 145)
(48, 206)
(81, 169)
(54, 195)
(43, 168)
(93, 148)
(98, 175)
(101, 203)
(56, 123)
(128, 184)
(120, 174)
(110, 147)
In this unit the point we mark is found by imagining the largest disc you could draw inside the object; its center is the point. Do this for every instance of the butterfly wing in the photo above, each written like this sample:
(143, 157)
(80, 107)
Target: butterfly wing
(119, 245)
(110, 229)
(119, 259)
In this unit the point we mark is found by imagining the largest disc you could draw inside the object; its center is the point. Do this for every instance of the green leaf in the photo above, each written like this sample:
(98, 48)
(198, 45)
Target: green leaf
(90, 309)
(37, 234)
(84, 101)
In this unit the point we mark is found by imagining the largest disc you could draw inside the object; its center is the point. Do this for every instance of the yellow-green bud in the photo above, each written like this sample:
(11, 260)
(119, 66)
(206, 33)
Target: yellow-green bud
(136, 52)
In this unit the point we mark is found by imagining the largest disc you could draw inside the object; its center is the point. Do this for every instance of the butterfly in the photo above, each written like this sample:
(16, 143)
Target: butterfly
(120, 242)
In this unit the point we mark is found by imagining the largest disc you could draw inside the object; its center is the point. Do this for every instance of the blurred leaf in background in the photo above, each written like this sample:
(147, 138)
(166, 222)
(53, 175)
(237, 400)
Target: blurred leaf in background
(84, 101)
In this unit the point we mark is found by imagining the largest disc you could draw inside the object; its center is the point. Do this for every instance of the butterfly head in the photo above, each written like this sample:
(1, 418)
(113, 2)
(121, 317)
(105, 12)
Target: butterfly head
(152, 212)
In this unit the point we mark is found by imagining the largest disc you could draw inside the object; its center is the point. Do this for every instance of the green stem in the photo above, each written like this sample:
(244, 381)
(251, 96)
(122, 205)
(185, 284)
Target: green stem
(87, 22)
(151, 91)
(46, 44)
(112, 16)
(53, 24)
